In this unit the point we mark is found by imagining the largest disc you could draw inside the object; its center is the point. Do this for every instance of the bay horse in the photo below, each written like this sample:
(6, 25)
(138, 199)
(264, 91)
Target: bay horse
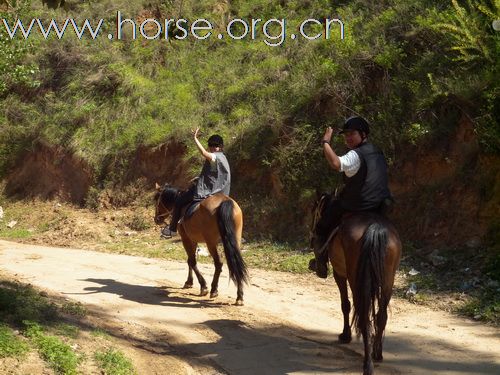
(365, 251)
(216, 218)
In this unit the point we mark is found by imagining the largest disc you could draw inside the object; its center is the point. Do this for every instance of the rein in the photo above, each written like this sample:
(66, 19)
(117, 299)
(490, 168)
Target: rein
(334, 231)
(158, 202)
(317, 216)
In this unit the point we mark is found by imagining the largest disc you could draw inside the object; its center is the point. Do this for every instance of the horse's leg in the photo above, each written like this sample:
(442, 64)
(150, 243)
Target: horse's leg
(189, 282)
(192, 263)
(367, 363)
(190, 248)
(239, 230)
(345, 337)
(239, 295)
(218, 269)
(381, 320)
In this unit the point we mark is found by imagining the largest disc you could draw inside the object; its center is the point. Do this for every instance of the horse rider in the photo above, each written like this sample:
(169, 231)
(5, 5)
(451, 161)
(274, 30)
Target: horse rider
(365, 188)
(215, 177)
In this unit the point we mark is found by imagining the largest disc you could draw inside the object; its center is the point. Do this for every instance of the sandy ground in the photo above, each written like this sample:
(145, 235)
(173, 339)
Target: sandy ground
(289, 323)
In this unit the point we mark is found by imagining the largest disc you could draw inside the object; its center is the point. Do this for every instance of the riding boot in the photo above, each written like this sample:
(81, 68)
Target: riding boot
(171, 230)
(319, 263)
(167, 233)
(176, 216)
(322, 264)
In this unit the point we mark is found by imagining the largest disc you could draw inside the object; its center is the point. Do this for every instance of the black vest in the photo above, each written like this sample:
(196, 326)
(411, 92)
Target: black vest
(369, 186)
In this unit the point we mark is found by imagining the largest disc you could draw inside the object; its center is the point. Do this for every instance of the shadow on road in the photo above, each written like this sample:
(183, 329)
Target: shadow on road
(283, 350)
(254, 347)
(151, 295)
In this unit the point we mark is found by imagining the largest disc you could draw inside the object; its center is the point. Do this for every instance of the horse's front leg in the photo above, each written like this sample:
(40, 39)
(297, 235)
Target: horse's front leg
(203, 284)
(190, 248)
(345, 337)
(218, 269)
(189, 282)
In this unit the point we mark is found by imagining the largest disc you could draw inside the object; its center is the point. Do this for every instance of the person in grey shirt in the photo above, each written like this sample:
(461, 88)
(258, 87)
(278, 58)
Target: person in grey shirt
(215, 177)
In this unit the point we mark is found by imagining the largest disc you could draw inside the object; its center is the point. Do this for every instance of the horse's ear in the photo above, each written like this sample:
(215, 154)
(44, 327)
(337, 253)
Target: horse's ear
(157, 187)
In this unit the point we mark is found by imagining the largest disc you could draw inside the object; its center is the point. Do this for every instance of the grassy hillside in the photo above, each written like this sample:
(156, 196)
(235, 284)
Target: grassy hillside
(413, 68)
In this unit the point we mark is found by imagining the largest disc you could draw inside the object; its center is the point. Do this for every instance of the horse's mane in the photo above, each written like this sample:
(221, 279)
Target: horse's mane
(169, 194)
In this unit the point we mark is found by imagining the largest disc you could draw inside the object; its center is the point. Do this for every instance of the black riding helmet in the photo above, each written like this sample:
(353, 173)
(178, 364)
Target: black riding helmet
(356, 123)
(215, 141)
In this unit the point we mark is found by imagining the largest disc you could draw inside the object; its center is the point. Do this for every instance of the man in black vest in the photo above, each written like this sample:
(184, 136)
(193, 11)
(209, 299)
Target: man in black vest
(215, 177)
(365, 183)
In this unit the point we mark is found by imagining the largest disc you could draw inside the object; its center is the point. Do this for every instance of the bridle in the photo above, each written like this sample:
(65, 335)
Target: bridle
(317, 216)
(158, 203)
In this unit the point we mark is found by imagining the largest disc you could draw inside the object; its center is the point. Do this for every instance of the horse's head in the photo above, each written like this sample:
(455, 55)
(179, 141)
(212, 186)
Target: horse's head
(165, 199)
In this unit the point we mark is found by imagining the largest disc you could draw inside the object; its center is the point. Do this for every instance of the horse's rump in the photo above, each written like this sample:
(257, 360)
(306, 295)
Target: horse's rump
(348, 237)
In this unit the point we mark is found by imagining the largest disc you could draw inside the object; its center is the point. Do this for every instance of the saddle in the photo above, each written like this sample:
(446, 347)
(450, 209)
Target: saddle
(190, 209)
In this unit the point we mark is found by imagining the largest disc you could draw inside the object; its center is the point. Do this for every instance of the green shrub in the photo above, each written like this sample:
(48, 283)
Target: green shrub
(10, 345)
(58, 355)
(113, 362)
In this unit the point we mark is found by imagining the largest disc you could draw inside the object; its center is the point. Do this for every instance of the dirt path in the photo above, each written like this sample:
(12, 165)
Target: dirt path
(288, 325)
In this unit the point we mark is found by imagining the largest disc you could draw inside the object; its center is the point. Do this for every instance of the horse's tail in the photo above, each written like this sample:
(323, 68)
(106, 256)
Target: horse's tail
(237, 267)
(369, 289)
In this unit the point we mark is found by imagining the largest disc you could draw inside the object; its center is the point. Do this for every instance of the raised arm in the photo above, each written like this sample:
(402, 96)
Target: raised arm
(207, 155)
(330, 155)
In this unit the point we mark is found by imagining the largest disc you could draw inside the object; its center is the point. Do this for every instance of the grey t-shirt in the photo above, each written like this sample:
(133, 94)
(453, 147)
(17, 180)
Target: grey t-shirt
(215, 177)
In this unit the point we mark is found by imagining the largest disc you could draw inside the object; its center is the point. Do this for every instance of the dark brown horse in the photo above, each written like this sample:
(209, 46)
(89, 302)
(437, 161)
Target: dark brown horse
(217, 218)
(365, 251)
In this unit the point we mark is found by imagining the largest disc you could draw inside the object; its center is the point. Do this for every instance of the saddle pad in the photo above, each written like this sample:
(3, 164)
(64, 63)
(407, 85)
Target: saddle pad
(190, 209)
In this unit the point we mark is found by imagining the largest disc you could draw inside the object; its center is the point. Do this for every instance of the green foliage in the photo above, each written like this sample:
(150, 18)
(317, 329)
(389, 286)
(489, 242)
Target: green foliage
(10, 345)
(92, 199)
(68, 330)
(114, 362)
(15, 233)
(485, 307)
(58, 355)
(492, 260)
(469, 28)
(14, 69)
(19, 302)
(74, 308)
(276, 257)
(100, 333)
(410, 67)
(139, 222)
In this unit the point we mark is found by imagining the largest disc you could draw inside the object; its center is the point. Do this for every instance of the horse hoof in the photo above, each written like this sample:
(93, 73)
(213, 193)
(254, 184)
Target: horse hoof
(345, 338)
(203, 292)
(239, 302)
(312, 265)
(187, 286)
(214, 294)
(368, 369)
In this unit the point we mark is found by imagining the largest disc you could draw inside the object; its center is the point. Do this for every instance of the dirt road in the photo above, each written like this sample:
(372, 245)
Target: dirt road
(288, 325)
